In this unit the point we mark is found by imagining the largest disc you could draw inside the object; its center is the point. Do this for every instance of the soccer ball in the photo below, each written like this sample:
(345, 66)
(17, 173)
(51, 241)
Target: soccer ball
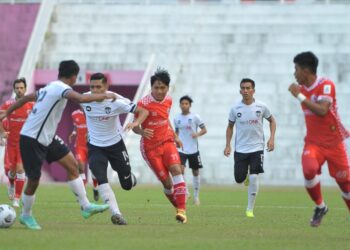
(7, 216)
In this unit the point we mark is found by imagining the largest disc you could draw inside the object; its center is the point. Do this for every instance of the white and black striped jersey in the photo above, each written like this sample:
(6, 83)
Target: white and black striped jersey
(248, 119)
(186, 125)
(102, 120)
(42, 122)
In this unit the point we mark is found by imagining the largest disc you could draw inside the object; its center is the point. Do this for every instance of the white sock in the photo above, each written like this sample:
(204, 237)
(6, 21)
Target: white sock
(178, 179)
(78, 189)
(253, 189)
(83, 177)
(27, 201)
(196, 186)
(108, 197)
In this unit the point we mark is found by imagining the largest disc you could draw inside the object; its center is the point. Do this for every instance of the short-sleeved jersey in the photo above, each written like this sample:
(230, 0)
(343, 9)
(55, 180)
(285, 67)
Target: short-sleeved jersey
(102, 119)
(157, 120)
(324, 130)
(79, 122)
(186, 125)
(16, 120)
(248, 119)
(47, 112)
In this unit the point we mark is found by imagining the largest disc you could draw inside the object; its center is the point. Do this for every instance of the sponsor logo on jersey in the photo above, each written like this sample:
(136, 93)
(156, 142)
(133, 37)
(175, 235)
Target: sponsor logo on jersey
(88, 108)
(239, 115)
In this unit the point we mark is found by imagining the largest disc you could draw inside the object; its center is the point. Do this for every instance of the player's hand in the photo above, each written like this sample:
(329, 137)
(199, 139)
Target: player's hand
(294, 89)
(270, 145)
(2, 114)
(70, 137)
(131, 125)
(194, 135)
(227, 151)
(111, 96)
(147, 133)
(178, 142)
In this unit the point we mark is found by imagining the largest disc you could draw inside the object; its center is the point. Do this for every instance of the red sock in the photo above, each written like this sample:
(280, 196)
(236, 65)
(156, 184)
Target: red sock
(315, 193)
(94, 183)
(180, 195)
(171, 198)
(11, 178)
(19, 183)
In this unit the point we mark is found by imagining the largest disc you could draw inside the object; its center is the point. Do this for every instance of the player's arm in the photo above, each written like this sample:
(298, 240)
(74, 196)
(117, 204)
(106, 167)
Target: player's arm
(3, 134)
(271, 141)
(142, 114)
(73, 134)
(229, 134)
(319, 108)
(176, 137)
(19, 103)
(84, 98)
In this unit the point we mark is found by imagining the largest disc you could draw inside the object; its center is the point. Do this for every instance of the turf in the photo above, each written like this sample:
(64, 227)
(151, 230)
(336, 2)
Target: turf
(281, 221)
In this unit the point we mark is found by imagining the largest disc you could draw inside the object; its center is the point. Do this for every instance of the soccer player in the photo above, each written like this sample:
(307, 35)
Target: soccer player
(38, 141)
(324, 133)
(186, 127)
(80, 146)
(106, 144)
(15, 122)
(248, 115)
(158, 143)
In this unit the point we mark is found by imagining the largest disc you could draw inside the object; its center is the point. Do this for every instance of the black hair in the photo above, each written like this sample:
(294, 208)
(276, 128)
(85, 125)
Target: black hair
(99, 76)
(248, 80)
(161, 75)
(186, 97)
(68, 69)
(23, 80)
(307, 60)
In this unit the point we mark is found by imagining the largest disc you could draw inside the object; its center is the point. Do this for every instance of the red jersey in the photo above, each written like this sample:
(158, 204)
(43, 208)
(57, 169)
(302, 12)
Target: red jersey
(157, 120)
(323, 130)
(79, 122)
(16, 120)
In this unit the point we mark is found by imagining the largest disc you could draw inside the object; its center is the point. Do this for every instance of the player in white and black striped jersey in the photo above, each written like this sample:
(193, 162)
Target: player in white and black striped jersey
(38, 141)
(105, 142)
(248, 115)
(189, 126)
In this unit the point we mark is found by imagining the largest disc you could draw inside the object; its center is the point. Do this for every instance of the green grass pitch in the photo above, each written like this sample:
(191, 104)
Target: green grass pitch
(281, 221)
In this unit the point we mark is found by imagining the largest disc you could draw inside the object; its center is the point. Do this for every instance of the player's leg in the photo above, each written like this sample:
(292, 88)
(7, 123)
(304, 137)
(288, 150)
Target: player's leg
(95, 187)
(81, 157)
(33, 155)
(183, 158)
(10, 175)
(339, 168)
(195, 163)
(171, 159)
(256, 160)
(241, 163)
(119, 159)
(98, 163)
(58, 151)
(312, 160)
(20, 177)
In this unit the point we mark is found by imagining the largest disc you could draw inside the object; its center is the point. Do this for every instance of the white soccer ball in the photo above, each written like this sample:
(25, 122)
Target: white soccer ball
(7, 216)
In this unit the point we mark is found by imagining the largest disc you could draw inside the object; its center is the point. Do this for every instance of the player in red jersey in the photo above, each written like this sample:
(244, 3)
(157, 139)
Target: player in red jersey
(15, 123)
(80, 146)
(158, 140)
(325, 133)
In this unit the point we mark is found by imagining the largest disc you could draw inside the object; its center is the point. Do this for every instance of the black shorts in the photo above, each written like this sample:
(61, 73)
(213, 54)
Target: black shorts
(248, 161)
(34, 154)
(194, 160)
(118, 157)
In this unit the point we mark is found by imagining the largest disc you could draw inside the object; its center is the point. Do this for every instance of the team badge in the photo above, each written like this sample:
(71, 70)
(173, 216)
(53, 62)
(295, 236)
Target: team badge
(239, 115)
(88, 108)
(107, 110)
(327, 89)
(258, 113)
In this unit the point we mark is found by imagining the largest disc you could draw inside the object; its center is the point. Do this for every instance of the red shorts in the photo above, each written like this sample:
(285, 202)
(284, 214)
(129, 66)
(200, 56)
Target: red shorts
(161, 158)
(336, 157)
(81, 154)
(13, 156)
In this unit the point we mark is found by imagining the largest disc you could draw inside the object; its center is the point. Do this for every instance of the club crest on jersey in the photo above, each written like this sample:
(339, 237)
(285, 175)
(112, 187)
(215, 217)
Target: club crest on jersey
(258, 113)
(190, 121)
(327, 89)
(108, 110)
(239, 115)
(88, 108)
